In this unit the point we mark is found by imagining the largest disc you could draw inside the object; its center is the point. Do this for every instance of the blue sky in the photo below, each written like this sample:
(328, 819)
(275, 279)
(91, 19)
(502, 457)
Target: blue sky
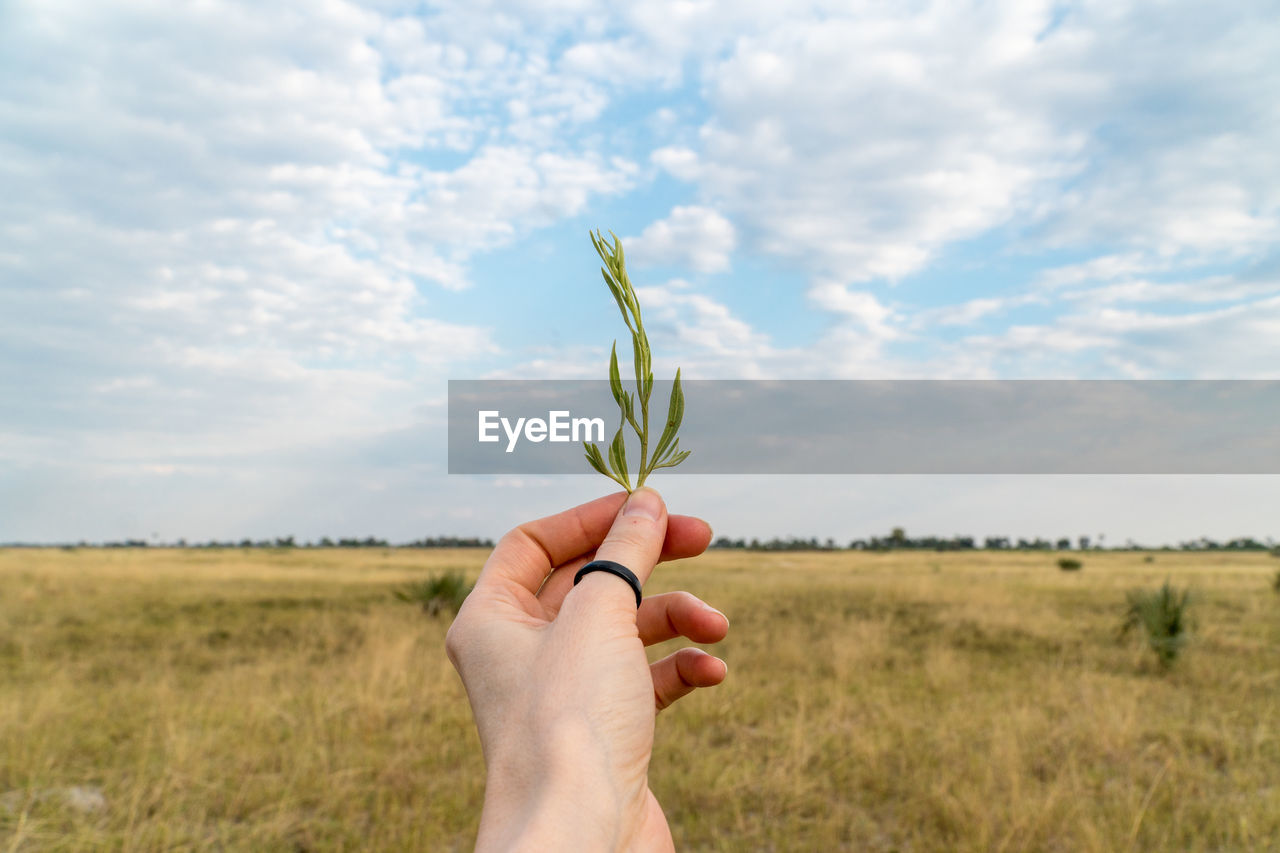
(243, 246)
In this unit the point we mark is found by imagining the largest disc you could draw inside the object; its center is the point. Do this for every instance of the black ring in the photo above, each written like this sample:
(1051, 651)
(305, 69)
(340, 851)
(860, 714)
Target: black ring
(613, 569)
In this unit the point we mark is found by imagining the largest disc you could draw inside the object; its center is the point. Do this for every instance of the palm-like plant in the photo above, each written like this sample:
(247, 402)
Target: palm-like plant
(1163, 616)
(437, 593)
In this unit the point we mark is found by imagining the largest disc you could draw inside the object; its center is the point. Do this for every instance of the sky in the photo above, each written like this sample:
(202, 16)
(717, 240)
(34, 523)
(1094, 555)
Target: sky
(244, 246)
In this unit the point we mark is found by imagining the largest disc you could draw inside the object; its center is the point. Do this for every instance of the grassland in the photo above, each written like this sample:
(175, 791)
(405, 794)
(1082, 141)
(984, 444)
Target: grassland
(286, 700)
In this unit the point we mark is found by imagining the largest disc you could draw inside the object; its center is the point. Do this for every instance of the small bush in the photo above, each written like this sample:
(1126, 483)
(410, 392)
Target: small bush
(1275, 552)
(1070, 564)
(1148, 559)
(1275, 582)
(437, 593)
(1162, 615)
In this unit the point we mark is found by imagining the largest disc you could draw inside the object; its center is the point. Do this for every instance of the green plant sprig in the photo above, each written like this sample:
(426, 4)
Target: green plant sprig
(666, 452)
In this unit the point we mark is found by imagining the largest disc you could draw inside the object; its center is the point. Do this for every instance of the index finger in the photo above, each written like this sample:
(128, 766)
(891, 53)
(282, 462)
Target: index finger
(528, 554)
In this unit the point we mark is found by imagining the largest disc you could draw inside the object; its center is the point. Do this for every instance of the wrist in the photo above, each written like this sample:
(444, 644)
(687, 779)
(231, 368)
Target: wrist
(554, 791)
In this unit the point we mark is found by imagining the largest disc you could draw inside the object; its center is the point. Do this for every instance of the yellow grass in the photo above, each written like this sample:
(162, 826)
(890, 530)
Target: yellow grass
(285, 700)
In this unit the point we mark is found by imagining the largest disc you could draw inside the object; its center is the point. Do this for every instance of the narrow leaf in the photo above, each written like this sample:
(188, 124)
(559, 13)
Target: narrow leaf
(619, 298)
(597, 462)
(629, 412)
(667, 452)
(630, 292)
(615, 381)
(675, 414)
(593, 456)
(638, 363)
(675, 460)
(646, 353)
(618, 458)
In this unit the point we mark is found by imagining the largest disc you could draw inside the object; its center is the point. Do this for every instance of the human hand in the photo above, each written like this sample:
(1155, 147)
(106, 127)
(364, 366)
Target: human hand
(563, 695)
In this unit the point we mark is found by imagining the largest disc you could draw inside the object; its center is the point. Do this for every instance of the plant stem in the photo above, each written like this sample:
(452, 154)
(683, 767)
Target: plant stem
(644, 407)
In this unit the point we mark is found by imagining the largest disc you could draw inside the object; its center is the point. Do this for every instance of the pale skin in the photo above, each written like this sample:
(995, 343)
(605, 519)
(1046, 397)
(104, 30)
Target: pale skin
(563, 696)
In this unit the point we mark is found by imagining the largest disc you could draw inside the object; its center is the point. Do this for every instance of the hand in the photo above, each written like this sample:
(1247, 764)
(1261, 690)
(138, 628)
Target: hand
(563, 695)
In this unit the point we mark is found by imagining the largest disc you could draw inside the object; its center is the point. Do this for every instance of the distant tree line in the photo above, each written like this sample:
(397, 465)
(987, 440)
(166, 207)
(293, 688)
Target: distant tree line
(898, 540)
(280, 542)
(1244, 544)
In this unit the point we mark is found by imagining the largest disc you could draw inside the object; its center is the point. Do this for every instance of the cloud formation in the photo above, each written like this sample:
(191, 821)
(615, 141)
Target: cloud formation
(224, 223)
(232, 232)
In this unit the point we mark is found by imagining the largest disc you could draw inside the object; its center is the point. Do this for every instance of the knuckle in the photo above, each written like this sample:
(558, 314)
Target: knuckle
(685, 598)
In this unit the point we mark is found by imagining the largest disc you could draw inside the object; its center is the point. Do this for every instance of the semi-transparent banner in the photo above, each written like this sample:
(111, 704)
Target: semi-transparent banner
(882, 427)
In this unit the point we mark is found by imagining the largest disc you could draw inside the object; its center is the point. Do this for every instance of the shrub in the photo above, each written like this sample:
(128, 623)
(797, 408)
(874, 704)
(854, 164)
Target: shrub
(1275, 582)
(1275, 552)
(437, 593)
(1162, 615)
(1070, 564)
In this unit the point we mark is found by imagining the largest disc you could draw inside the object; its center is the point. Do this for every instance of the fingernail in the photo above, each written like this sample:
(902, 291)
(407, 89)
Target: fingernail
(718, 613)
(645, 502)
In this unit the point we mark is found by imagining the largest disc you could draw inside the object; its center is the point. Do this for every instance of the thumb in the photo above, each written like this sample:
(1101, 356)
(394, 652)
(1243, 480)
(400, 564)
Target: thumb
(635, 541)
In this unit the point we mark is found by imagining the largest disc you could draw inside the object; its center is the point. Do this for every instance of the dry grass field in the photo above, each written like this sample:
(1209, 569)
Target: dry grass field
(286, 700)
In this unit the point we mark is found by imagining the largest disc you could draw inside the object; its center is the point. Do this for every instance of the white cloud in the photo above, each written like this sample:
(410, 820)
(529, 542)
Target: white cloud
(1102, 268)
(1178, 158)
(858, 305)
(964, 313)
(714, 342)
(621, 60)
(1098, 340)
(498, 193)
(1210, 289)
(861, 144)
(679, 161)
(695, 236)
(702, 326)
